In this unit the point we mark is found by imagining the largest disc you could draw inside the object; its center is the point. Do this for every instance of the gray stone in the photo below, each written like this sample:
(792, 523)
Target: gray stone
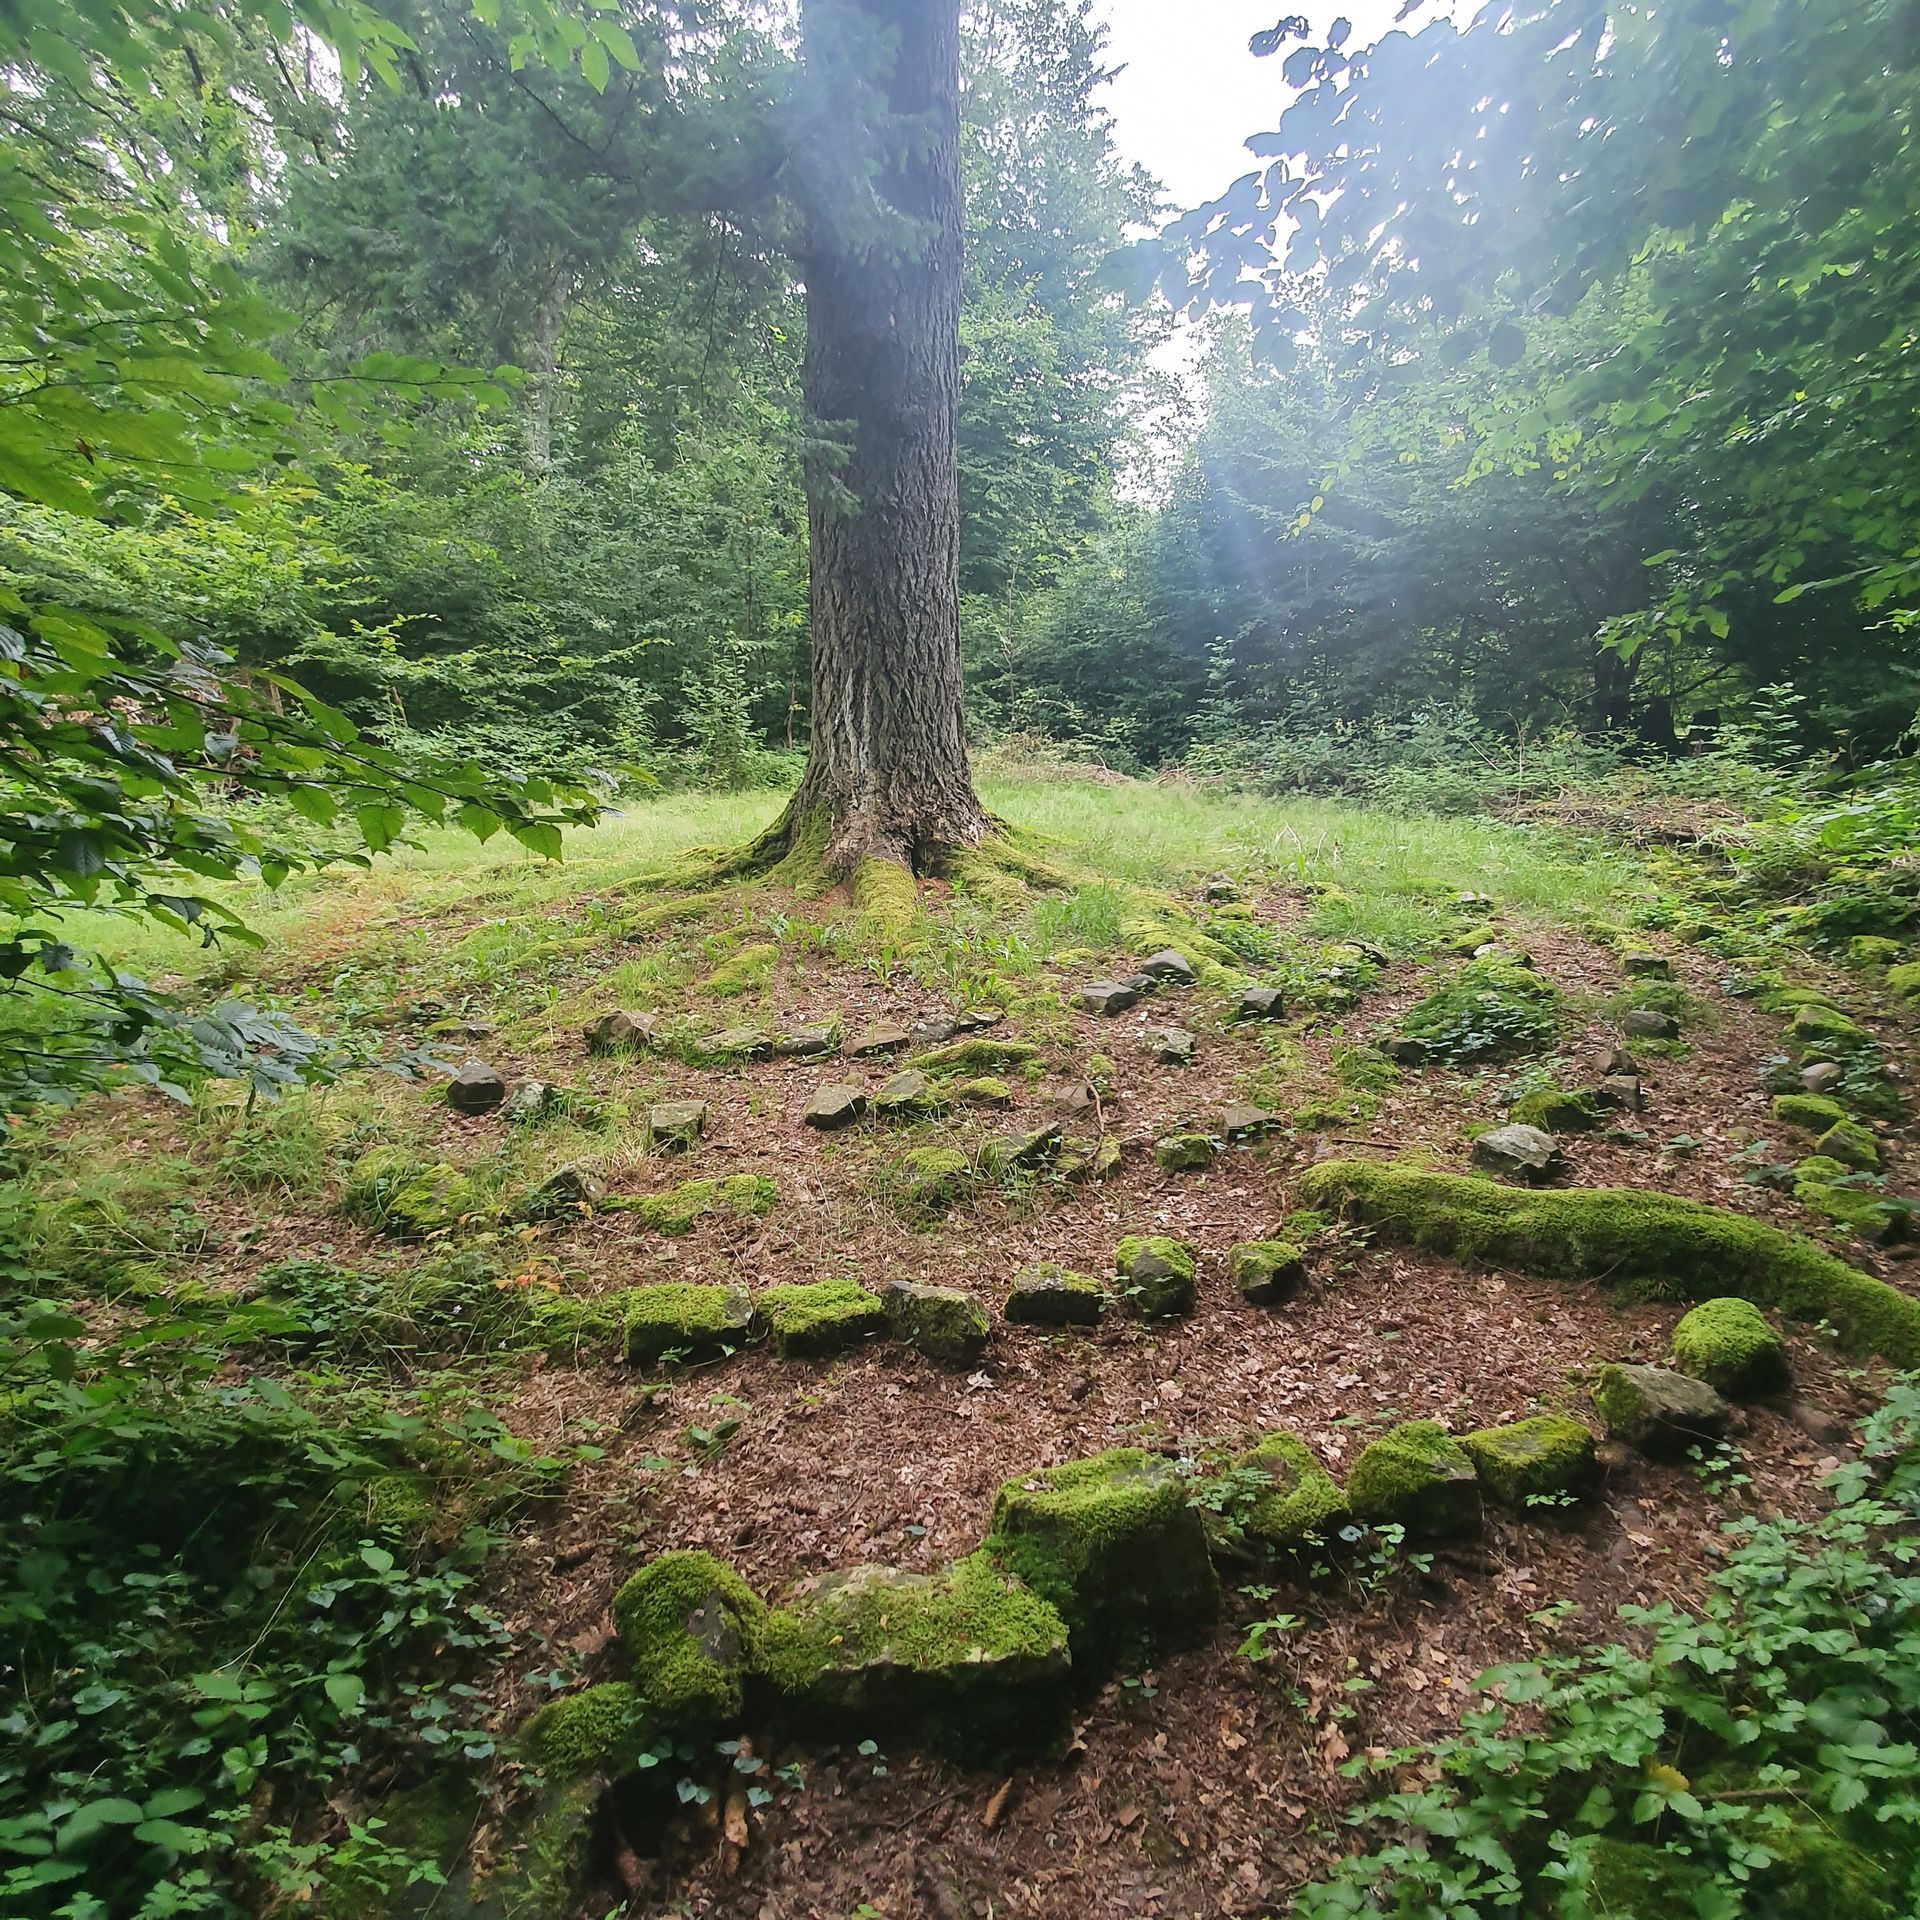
(836, 1106)
(1519, 1151)
(736, 1043)
(807, 1043)
(1051, 1296)
(476, 1089)
(1081, 1163)
(941, 1322)
(1107, 996)
(882, 1037)
(1167, 965)
(676, 1123)
(933, 1030)
(1170, 1046)
(1647, 966)
(621, 1032)
(1823, 1076)
(1404, 1051)
(1658, 1411)
(532, 1100)
(1142, 983)
(1184, 1152)
(977, 1019)
(906, 1093)
(1621, 1092)
(1472, 903)
(1033, 1149)
(1220, 889)
(1240, 1121)
(1260, 1003)
(1646, 1023)
(1620, 1061)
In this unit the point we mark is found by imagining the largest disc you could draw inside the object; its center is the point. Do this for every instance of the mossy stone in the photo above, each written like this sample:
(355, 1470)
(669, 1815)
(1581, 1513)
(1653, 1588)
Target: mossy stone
(1555, 1110)
(1185, 1152)
(1016, 1152)
(1660, 1412)
(689, 1623)
(391, 1191)
(1300, 1500)
(1852, 1145)
(1054, 1296)
(1156, 1274)
(975, 1055)
(599, 1731)
(1809, 1112)
(907, 1093)
(1266, 1270)
(1490, 1009)
(1728, 1344)
(1549, 1453)
(944, 1323)
(1667, 1245)
(676, 1124)
(1873, 950)
(1419, 1477)
(929, 1180)
(969, 1658)
(686, 1319)
(1638, 963)
(985, 1092)
(1113, 1544)
(1905, 979)
(824, 1317)
(1813, 1023)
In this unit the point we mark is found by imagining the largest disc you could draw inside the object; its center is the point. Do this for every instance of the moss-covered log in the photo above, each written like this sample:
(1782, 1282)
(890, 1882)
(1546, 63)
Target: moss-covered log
(1654, 1242)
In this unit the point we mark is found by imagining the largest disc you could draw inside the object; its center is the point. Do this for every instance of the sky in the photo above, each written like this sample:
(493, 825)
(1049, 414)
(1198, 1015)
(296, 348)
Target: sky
(1190, 93)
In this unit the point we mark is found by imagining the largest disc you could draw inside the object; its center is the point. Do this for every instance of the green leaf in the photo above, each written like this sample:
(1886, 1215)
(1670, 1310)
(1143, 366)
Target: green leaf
(345, 1690)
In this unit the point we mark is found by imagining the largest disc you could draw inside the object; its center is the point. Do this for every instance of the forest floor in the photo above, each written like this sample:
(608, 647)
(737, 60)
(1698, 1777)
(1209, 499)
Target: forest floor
(1209, 1779)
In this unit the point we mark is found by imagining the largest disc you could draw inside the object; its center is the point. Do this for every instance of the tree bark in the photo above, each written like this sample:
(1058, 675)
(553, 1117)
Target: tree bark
(887, 774)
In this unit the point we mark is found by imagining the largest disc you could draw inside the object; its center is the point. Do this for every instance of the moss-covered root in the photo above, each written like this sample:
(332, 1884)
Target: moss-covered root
(1296, 1499)
(968, 1659)
(1113, 1544)
(1419, 1477)
(689, 1624)
(1728, 1344)
(1653, 1241)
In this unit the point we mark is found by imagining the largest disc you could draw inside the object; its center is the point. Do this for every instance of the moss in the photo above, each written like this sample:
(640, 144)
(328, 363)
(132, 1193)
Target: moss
(564, 1326)
(1113, 1544)
(683, 1318)
(969, 1657)
(1300, 1501)
(668, 913)
(1635, 1880)
(1809, 1112)
(1827, 1188)
(1818, 1874)
(401, 1503)
(1555, 1110)
(1101, 1076)
(391, 1191)
(986, 1092)
(885, 897)
(1851, 1144)
(1548, 1454)
(1156, 1274)
(747, 970)
(1416, 1476)
(942, 1322)
(1054, 1296)
(601, 1730)
(1266, 1270)
(1654, 1241)
(680, 1208)
(689, 1624)
(1489, 1010)
(975, 1055)
(824, 1317)
(1728, 1344)
(1873, 950)
(1813, 1023)
(1905, 979)
(925, 1181)
(1184, 1152)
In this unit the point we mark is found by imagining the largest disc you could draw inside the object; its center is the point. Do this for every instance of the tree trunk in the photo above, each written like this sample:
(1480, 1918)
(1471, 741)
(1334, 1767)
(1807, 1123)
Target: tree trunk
(887, 773)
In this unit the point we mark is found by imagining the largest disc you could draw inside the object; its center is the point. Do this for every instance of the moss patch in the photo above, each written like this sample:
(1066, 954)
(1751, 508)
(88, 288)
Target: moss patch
(681, 1208)
(926, 1181)
(1654, 1241)
(969, 1657)
(601, 1730)
(1851, 1144)
(688, 1623)
(1419, 1477)
(1555, 1110)
(1184, 1152)
(975, 1055)
(1156, 1274)
(825, 1317)
(1549, 1454)
(1300, 1500)
(394, 1193)
(1728, 1344)
(1489, 1010)
(1112, 1543)
(1810, 1112)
